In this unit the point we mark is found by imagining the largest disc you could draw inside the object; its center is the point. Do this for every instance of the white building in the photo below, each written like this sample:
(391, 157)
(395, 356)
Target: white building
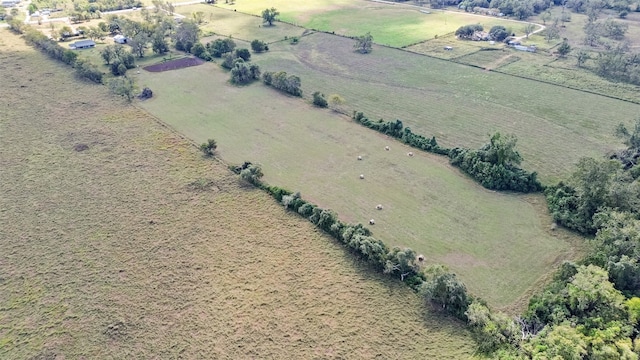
(119, 39)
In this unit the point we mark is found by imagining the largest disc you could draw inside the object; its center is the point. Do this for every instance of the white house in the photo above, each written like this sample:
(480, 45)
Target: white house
(119, 39)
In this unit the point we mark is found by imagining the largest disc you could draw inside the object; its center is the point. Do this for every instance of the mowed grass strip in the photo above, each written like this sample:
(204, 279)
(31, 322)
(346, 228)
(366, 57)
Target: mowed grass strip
(119, 241)
(458, 104)
(486, 237)
(391, 25)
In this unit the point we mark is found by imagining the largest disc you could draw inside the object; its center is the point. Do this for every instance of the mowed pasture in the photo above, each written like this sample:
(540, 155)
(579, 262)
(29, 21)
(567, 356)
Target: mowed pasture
(392, 25)
(237, 25)
(460, 105)
(487, 238)
(120, 241)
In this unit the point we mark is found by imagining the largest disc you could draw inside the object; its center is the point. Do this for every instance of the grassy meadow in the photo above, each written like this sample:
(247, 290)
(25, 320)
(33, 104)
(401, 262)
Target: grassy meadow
(120, 241)
(393, 25)
(485, 237)
(458, 104)
(238, 25)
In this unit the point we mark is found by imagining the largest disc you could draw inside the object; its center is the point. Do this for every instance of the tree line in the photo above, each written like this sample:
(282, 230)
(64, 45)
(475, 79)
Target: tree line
(591, 309)
(494, 166)
(33, 37)
(435, 282)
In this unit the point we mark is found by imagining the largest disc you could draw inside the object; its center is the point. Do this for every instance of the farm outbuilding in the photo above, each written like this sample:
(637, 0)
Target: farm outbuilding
(120, 39)
(82, 44)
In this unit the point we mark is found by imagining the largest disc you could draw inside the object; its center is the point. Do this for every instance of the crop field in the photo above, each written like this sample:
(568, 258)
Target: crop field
(393, 25)
(458, 104)
(485, 237)
(119, 241)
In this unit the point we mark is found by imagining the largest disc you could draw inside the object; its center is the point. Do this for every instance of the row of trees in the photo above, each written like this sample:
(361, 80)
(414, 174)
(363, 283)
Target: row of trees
(591, 309)
(436, 283)
(495, 165)
(522, 9)
(283, 82)
(33, 37)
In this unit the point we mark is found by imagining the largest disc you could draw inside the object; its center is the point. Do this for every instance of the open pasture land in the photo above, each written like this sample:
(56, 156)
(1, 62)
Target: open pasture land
(237, 25)
(436, 47)
(458, 104)
(135, 247)
(487, 238)
(565, 72)
(393, 25)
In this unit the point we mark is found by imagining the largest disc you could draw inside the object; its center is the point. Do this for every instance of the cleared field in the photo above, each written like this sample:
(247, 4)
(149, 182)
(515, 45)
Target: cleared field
(565, 72)
(237, 25)
(136, 247)
(436, 47)
(458, 104)
(488, 59)
(484, 236)
(393, 25)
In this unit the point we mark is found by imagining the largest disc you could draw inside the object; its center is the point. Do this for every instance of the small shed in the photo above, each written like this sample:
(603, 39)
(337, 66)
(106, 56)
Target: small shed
(82, 44)
(120, 39)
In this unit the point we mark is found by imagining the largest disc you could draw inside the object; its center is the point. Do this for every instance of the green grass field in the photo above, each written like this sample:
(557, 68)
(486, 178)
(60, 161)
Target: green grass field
(393, 25)
(484, 236)
(458, 104)
(139, 248)
(237, 25)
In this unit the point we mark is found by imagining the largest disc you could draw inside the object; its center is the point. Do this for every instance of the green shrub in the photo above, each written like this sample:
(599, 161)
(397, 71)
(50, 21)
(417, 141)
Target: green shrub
(244, 54)
(319, 100)
(209, 147)
(283, 82)
(259, 46)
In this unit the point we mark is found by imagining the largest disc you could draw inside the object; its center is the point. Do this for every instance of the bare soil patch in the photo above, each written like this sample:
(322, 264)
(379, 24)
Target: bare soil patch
(174, 64)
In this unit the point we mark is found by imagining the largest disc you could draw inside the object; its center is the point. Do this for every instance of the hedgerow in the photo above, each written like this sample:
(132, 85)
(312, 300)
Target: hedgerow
(440, 287)
(50, 47)
(494, 165)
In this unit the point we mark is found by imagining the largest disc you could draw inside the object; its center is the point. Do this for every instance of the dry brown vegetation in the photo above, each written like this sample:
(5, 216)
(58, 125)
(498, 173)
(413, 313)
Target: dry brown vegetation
(120, 241)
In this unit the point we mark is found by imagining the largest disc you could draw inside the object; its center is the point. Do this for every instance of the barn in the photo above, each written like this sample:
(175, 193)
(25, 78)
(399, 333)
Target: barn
(82, 44)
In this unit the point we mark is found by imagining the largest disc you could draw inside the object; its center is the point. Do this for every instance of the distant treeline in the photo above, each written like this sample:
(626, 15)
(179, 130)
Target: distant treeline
(494, 165)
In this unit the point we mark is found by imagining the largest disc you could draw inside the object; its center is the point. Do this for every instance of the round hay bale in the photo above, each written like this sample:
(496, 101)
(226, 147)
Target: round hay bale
(359, 157)
(410, 153)
(379, 207)
(421, 258)
(372, 222)
(361, 176)
(386, 148)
